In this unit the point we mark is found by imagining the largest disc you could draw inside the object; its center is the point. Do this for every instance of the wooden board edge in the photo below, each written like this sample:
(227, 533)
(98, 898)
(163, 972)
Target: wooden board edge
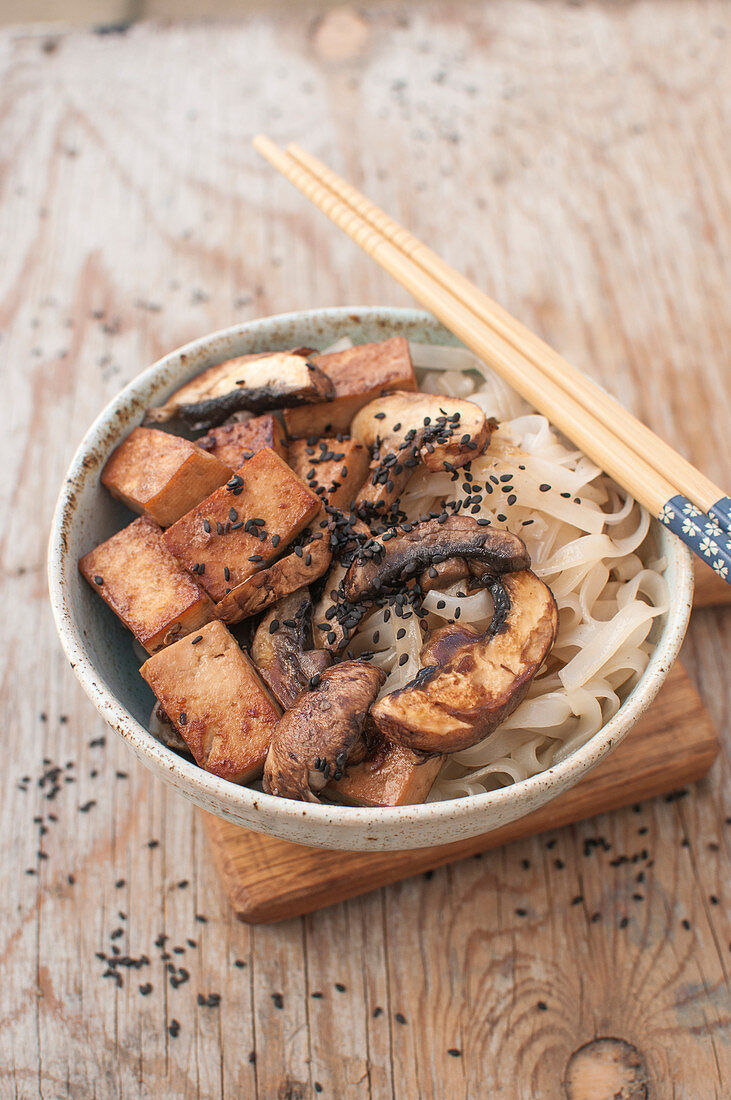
(309, 878)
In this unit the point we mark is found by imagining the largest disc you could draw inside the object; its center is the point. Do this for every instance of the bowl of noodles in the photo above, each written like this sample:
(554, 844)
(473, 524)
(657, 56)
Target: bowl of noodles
(621, 581)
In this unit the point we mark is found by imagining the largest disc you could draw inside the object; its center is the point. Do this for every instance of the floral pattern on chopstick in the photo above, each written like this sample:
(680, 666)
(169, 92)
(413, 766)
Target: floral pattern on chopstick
(702, 533)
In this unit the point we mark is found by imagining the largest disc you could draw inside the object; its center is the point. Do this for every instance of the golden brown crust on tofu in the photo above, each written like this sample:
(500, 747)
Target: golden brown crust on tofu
(469, 683)
(217, 702)
(358, 374)
(255, 383)
(334, 470)
(392, 776)
(161, 475)
(146, 586)
(234, 443)
(218, 539)
(305, 563)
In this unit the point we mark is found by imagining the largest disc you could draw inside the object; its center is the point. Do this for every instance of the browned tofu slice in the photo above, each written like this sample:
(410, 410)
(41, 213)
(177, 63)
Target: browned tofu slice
(306, 561)
(217, 701)
(161, 475)
(359, 375)
(234, 443)
(334, 470)
(393, 777)
(244, 525)
(146, 586)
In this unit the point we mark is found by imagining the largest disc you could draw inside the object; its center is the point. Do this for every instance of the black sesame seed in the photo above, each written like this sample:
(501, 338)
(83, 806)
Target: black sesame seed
(98, 580)
(542, 1006)
(399, 1018)
(278, 1000)
(512, 498)
(455, 1053)
(403, 659)
(544, 488)
(182, 718)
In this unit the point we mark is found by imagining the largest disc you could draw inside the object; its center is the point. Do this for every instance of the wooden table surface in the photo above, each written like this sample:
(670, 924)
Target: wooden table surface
(571, 158)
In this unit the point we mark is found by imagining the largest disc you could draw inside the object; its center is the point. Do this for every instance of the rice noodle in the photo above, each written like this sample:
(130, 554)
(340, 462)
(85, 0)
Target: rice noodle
(590, 545)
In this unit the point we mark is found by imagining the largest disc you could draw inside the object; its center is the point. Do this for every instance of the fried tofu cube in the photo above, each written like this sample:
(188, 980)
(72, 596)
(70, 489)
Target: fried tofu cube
(244, 525)
(394, 776)
(234, 443)
(359, 375)
(217, 702)
(334, 470)
(306, 561)
(146, 586)
(161, 475)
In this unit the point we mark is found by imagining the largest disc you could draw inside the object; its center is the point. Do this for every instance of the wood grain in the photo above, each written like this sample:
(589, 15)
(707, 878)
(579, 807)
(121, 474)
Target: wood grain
(269, 880)
(570, 159)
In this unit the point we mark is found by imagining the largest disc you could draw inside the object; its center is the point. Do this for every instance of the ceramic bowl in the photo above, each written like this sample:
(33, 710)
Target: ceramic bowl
(101, 652)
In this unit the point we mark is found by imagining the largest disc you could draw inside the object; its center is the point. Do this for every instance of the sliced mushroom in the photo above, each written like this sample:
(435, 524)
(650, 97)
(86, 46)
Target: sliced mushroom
(404, 554)
(256, 383)
(161, 727)
(282, 648)
(471, 682)
(313, 740)
(327, 632)
(385, 566)
(443, 573)
(404, 429)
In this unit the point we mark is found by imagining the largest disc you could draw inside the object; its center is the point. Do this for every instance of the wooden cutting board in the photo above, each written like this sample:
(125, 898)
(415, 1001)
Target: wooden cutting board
(267, 879)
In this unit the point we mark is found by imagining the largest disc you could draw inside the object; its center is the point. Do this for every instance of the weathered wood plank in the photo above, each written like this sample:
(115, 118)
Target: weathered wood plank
(569, 158)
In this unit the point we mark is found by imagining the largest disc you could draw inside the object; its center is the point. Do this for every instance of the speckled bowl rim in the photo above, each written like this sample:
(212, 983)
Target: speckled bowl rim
(229, 797)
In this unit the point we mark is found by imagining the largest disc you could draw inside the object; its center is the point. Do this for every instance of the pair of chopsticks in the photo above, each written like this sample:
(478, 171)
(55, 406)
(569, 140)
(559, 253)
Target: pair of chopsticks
(665, 483)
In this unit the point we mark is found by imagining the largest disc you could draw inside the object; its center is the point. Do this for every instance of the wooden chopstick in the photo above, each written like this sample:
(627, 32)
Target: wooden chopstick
(649, 486)
(688, 480)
